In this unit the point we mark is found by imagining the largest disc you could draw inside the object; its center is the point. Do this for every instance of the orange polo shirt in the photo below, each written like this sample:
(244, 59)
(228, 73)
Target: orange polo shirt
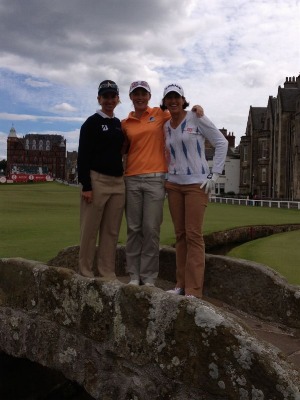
(146, 152)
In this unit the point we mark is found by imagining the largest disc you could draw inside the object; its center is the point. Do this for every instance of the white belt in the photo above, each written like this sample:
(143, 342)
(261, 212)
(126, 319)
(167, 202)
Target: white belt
(151, 175)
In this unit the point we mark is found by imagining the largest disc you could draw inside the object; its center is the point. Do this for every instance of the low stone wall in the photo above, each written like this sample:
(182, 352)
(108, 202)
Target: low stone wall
(244, 234)
(126, 342)
(246, 285)
(249, 286)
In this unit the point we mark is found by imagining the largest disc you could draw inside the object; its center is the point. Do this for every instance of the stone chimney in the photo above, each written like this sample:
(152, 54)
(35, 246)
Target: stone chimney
(292, 82)
(229, 136)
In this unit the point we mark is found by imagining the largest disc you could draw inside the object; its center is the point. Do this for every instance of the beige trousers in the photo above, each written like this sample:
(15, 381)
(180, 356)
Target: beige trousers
(101, 219)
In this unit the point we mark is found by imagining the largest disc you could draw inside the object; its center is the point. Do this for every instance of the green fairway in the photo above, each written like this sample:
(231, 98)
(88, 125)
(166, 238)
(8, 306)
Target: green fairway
(281, 251)
(38, 220)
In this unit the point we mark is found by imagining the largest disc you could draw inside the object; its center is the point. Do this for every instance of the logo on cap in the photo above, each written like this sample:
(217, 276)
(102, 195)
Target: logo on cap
(108, 86)
(139, 84)
(173, 87)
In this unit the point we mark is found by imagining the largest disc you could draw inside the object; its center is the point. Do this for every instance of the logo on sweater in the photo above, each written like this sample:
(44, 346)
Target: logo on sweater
(104, 127)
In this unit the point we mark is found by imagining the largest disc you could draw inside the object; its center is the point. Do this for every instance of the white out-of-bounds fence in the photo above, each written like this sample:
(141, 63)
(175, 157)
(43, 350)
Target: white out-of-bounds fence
(295, 205)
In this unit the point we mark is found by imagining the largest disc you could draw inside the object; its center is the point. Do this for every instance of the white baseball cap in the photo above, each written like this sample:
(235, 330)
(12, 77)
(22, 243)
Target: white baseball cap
(139, 84)
(173, 87)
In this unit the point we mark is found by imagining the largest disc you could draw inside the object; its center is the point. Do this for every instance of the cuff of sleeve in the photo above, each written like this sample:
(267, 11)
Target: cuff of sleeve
(215, 176)
(86, 187)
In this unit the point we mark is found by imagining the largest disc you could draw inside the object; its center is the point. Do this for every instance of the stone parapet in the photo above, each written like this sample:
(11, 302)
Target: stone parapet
(121, 342)
(249, 286)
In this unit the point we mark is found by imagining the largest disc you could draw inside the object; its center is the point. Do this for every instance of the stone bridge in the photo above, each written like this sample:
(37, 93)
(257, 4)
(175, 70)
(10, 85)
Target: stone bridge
(125, 342)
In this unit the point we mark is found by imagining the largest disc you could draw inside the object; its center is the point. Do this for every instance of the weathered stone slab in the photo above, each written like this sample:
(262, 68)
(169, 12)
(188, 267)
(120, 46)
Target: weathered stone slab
(123, 342)
(253, 288)
(246, 285)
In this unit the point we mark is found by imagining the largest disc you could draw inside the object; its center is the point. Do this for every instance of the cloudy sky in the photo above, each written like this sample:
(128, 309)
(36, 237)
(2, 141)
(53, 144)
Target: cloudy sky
(228, 55)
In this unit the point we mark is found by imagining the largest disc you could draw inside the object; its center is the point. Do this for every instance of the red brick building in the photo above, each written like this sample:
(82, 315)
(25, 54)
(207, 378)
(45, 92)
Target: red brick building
(36, 154)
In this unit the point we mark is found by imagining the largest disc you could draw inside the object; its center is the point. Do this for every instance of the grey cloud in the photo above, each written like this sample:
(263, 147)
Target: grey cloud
(227, 55)
(64, 31)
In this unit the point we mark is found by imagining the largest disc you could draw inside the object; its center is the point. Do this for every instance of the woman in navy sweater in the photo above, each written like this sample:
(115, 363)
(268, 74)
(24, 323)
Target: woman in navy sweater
(100, 172)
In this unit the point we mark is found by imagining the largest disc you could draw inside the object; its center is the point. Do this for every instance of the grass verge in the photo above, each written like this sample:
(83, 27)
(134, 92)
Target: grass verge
(38, 220)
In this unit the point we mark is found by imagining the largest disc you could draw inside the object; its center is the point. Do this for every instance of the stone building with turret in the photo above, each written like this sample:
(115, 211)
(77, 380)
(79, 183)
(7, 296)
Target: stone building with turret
(270, 149)
(36, 154)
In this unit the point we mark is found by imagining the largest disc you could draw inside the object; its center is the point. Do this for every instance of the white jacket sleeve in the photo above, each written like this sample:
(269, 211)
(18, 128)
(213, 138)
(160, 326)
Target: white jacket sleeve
(216, 139)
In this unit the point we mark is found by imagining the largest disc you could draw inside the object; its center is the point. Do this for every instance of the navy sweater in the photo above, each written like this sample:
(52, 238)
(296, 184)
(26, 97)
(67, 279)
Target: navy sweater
(100, 144)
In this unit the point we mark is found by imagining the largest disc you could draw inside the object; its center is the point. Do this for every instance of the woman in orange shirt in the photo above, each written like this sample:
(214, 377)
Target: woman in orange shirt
(144, 180)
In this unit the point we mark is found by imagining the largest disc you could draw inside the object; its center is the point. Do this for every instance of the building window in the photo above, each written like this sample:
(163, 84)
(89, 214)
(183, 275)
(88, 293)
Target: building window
(34, 144)
(221, 188)
(244, 177)
(27, 144)
(264, 174)
(245, 154)
(263, 149)
(40, 145)
(48, 145)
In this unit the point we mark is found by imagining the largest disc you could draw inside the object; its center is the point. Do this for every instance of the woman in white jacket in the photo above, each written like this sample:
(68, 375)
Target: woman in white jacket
(189, 183)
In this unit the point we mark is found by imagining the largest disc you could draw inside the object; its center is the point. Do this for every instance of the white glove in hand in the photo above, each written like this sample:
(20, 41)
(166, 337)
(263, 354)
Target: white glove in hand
(210, 182)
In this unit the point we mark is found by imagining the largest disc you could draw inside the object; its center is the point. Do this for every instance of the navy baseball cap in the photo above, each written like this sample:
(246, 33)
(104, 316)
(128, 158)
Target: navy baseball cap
(108, 86)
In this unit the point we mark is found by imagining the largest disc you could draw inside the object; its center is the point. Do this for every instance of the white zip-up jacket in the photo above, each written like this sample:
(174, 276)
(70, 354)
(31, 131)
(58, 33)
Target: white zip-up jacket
(185, 149)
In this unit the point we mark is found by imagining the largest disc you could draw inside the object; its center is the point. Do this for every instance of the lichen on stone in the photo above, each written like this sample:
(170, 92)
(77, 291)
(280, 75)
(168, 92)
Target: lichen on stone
(175, 361)
(118, 326)
(14, 322)
(68, 356)
(208, 318)
(243, 356)
(297, 294)
(162, 313)
(213, 370)
(221, 385)
(111, 288)
(257, 394)
(92, 298)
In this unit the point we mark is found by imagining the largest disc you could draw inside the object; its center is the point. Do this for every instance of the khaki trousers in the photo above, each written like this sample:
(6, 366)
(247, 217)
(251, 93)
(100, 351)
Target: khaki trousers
(187, 205)
(102, 218)
(144, 214)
